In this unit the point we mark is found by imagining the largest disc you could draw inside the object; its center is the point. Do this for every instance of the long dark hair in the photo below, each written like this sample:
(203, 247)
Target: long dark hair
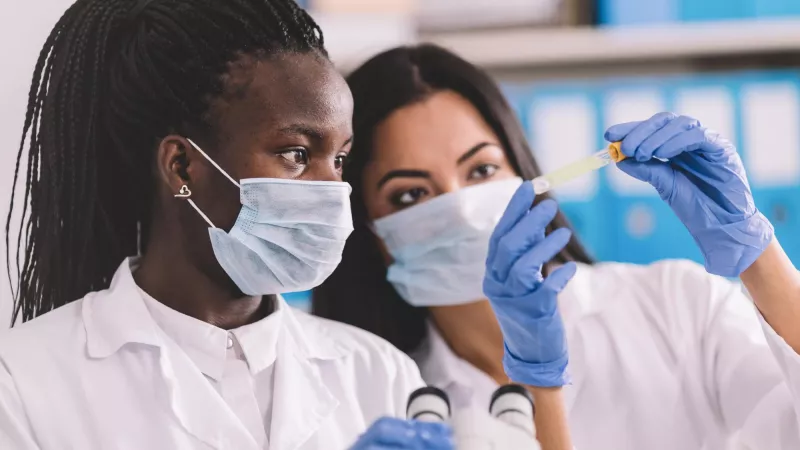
(113, 78)
(358, 293)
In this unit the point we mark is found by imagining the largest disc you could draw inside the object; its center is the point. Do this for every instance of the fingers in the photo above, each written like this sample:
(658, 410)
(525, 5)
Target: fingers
(393, 433)
(657, 173)
(618, 132)
(666, 136)
(432, 436)
(697, 139)
(522, 237)
(525, 274)
(632, 134)
(517, 208)
(634, 139)
(387, 431)
(659, 144)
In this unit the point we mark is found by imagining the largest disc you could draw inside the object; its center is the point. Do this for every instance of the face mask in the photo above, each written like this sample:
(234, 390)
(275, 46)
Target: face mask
(440, 246)
(289, 234)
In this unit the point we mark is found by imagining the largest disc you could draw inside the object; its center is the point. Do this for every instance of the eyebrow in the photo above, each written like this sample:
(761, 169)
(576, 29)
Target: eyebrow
(304, 130)
(403, 173)
(471, 152)
(409, 173)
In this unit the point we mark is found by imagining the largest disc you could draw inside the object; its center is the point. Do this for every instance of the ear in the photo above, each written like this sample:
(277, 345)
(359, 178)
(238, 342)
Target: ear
(175, 163)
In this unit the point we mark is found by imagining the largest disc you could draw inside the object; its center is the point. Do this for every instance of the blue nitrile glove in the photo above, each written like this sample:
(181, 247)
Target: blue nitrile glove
(524, 302)
(395, 434)
(703, 180)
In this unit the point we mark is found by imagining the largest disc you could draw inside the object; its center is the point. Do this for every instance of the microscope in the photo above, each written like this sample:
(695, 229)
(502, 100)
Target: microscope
(506, 424)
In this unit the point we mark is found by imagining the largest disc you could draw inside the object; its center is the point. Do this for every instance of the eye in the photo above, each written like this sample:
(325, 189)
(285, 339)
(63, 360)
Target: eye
(483, 171)
(409, 197)
(340, 161)
(298, 156)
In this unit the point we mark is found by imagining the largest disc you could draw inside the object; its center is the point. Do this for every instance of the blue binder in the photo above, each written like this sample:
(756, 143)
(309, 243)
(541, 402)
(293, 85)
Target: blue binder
(637, 12)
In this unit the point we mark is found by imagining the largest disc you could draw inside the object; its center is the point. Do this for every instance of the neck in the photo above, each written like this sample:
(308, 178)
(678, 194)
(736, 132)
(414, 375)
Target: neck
(472, 332)
(170, 276)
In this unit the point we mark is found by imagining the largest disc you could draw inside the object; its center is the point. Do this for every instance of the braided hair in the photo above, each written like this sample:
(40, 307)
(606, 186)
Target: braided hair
(113, 78)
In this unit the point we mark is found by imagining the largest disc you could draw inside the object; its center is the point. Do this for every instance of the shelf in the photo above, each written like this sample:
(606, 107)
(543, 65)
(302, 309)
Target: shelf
(352, 38)
(587, 45)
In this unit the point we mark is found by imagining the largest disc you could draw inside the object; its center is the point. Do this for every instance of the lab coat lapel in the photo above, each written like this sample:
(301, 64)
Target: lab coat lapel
(117, 317)
(199, 408)
(301, 399)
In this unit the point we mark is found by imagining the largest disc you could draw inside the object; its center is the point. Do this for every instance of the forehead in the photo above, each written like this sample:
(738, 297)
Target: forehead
(444, 125)
(282, 90)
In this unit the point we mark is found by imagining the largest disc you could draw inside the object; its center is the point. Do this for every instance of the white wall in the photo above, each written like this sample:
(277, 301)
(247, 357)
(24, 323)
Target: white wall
(24, 25)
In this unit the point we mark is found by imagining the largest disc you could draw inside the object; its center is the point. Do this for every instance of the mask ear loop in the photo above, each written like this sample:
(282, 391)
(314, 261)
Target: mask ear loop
(213, 163)
(186, 193)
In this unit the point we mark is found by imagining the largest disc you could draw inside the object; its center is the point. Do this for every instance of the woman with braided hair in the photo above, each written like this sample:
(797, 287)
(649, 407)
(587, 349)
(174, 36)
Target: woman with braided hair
(183, 169)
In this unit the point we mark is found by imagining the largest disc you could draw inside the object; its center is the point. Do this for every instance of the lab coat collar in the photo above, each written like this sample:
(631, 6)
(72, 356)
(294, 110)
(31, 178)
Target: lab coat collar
(301, 400)
(259, 340)
(117, 316)
(309, 342)
(205, 344)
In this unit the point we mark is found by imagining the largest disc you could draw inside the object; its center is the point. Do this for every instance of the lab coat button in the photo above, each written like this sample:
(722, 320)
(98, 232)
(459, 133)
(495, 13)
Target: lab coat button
(230, 340)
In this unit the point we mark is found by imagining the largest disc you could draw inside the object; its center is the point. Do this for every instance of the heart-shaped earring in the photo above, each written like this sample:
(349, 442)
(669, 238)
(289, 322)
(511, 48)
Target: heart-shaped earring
(184, 192)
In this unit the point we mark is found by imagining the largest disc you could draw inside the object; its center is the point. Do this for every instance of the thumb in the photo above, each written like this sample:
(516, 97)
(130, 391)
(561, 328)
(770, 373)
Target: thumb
(657, 173)
(519, 205)
(558, 280)
(619, 132)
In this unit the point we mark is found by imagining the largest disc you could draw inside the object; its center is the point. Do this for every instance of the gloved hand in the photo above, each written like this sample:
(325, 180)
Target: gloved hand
(524, 302)
(395, 434)
(703, 181)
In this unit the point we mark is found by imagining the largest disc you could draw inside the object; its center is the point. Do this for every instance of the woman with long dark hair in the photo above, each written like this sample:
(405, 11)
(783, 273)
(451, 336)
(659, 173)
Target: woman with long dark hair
(660, 356)
(183, 169)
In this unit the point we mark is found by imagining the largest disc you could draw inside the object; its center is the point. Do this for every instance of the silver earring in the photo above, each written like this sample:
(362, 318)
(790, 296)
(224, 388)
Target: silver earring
(184, 192)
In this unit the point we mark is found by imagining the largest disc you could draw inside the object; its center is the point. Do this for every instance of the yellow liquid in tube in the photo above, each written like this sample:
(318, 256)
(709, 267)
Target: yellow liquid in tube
(544, 183)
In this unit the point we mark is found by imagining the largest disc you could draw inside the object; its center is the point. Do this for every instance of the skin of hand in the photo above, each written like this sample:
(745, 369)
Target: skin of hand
(774, 284)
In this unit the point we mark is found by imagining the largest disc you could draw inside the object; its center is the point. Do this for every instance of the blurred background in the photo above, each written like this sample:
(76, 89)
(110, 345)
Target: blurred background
(570, 68)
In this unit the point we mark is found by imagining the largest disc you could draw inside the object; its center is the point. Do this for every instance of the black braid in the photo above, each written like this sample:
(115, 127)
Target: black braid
(112, 79)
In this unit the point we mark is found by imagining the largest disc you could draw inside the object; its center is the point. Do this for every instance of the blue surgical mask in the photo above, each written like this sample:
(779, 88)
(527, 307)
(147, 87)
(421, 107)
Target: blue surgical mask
(288, 237)
(439, 247)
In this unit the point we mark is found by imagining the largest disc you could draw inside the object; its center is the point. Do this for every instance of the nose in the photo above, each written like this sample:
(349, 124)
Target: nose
(452, 184)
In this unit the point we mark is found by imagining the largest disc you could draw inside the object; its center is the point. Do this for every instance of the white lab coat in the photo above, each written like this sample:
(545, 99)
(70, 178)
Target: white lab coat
(99, 374)
(662, 357)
